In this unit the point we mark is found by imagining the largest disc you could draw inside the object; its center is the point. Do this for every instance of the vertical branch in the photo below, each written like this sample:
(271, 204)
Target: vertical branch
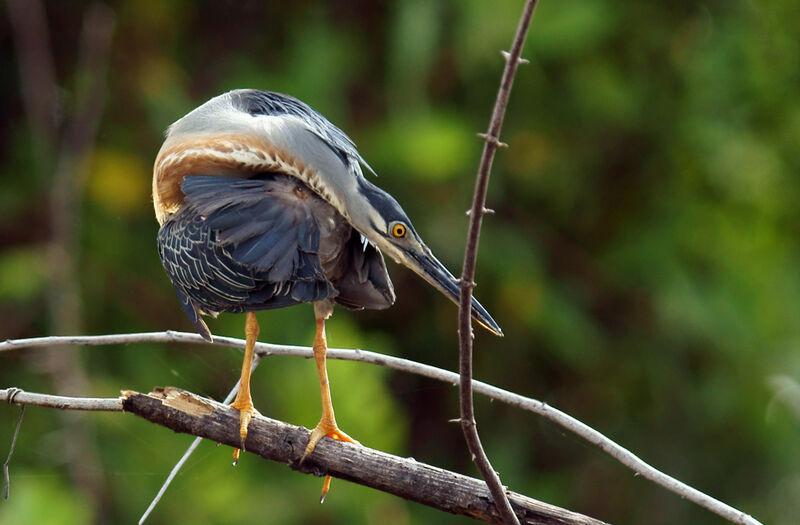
(76, 147)
(64, 299)
(38, 90)
(36, 71)
(491, 143)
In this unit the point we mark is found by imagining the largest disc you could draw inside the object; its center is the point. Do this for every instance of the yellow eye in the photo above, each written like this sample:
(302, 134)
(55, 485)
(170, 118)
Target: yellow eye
(398, 230)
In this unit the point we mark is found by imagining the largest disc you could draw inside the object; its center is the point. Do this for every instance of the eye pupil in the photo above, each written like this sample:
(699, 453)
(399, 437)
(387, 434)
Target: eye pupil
(399, 230)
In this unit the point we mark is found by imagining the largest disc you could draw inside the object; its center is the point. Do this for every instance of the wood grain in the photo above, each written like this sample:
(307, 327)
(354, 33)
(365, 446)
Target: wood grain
(188, 413)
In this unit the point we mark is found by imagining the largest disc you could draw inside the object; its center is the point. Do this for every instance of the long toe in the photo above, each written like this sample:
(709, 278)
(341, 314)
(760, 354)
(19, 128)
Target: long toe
(325, 428)
(246, 413)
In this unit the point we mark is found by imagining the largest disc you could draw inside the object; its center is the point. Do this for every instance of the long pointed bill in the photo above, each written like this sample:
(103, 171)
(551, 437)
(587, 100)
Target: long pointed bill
(429, 268)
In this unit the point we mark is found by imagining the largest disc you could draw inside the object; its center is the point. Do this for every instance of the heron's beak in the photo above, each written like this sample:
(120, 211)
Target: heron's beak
(429, 268)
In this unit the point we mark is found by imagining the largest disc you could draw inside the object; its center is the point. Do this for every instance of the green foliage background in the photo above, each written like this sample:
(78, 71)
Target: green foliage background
(643, 262)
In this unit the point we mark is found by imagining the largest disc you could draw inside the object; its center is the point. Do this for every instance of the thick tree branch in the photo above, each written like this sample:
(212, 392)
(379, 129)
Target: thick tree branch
(188, 413)
(491, 143)
(618, 452)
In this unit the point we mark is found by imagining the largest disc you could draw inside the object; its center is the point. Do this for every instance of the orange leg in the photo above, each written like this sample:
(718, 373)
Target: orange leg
(327, 423)
(243, 402)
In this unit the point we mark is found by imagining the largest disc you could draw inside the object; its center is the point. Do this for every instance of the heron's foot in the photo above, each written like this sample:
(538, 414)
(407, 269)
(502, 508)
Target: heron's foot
(325, 427)
(246, 413)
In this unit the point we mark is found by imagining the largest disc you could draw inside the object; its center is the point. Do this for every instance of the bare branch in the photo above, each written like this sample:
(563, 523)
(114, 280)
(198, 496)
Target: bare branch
(621, 454)
(491, 143)
(185, 412)
(15, 396)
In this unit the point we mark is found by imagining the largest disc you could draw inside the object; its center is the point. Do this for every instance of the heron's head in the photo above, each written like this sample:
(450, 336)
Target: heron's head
(379, 218)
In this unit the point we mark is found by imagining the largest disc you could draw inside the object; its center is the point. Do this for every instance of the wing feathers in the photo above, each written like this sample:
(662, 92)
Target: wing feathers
(247, 244)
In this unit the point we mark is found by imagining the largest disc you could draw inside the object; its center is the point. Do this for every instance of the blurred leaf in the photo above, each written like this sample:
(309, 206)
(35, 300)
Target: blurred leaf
(38, 497)
(119, 182)
(427, 146)
(566, 29)
(23, 273)
(413, 49)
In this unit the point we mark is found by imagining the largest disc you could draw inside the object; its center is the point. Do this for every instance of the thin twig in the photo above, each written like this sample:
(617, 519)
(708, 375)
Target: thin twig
(6, 477)
(15, 396)
(491, 143)
(172, 474)
(618, 452)
(189, 451)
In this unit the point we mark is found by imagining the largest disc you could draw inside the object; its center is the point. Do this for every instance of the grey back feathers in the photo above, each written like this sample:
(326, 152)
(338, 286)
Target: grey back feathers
(255, 102)
(331, 165)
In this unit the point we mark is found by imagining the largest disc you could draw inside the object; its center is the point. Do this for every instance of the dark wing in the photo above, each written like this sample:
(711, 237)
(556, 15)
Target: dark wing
(264, 223)
(204, 277)
(365, 282)
(242, 244)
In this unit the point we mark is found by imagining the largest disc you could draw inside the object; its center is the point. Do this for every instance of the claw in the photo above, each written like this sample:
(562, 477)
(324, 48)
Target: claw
(246, 413)
(323, 429)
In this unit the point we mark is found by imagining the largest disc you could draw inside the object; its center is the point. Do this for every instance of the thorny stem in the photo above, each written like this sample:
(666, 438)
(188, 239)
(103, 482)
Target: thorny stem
(491, 143)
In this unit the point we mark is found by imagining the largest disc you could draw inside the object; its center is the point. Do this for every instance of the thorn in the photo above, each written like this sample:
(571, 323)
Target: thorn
(454, 420)
(460, 282)
(520, 60)
(492, 140)
(486, 211)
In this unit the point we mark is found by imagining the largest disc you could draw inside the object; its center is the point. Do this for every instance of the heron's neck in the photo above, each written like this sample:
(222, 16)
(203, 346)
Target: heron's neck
(362, 203)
